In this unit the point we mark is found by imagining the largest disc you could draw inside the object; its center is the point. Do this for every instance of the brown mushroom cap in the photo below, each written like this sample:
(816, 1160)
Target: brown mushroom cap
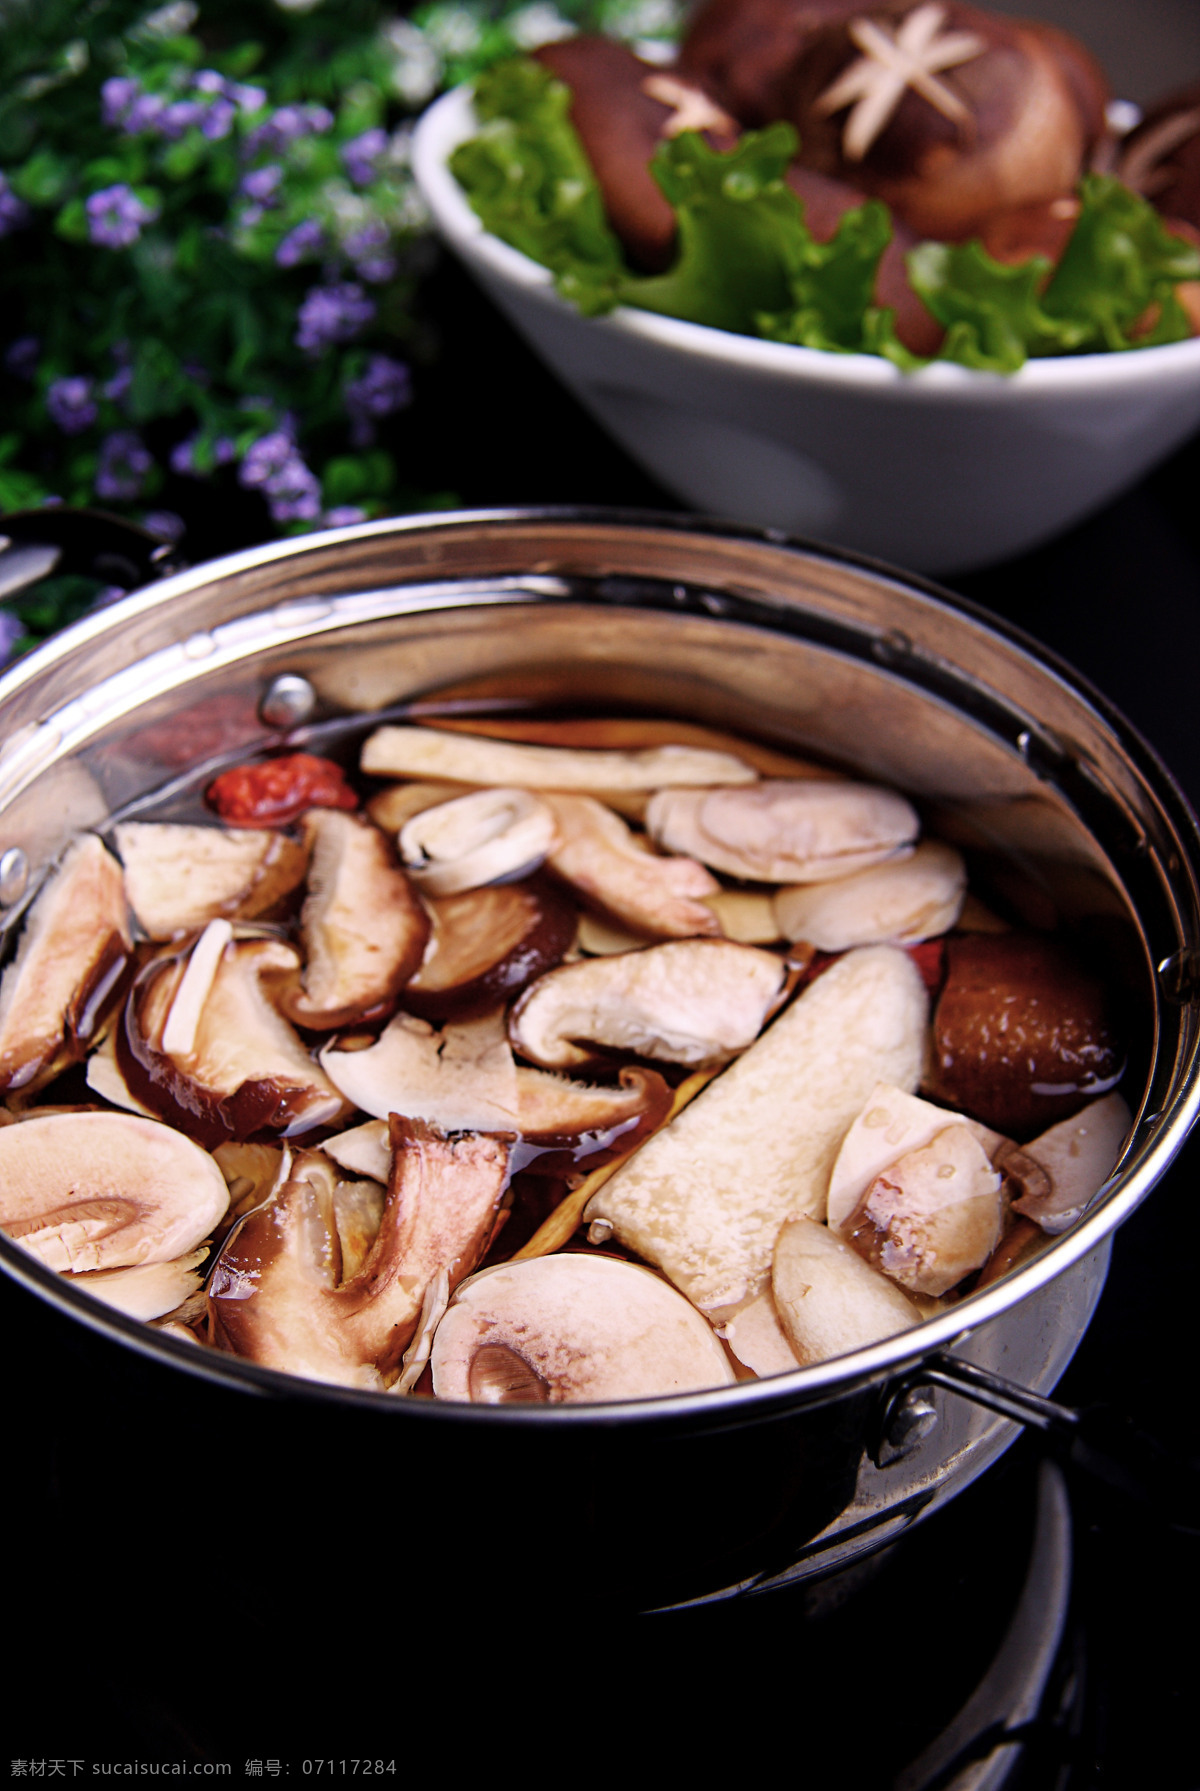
(742, 50)
(86, 1191)
(363, 926)
(689, 1001)
(73, 949)
(487, 945)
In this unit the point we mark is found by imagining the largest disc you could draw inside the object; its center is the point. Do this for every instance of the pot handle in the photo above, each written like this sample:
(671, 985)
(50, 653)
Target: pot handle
(61, 539)
(1097, 1439)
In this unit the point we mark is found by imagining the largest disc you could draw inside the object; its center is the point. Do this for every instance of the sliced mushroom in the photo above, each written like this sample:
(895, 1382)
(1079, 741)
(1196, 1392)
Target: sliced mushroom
(358, 1214)
(73, 950)
(486, 945)
(553, 1110)
(933, 1216)
(474, 840)
(1078, 1155)
(784, 831)
(148, 1290)
(177, 878)
(253, 1172)
(829, 1300)
(85, 1191)
(462, 1078)
(601, 938)
(757, 1338)
(704, 1197)
(690, 1001)
(391, 808)
(279, 1294)
(247, 1071)
(572, 1329)
(900, 902)
(363, 926)
(747, 915)
(597, 854)
(471, 759)
(364, 1150)
(891, 1123)
(105, 1079)
(624, 733)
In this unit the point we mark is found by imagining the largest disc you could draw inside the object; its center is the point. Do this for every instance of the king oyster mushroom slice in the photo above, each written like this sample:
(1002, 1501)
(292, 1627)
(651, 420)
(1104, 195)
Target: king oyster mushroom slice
(85, 1191)
(486, 945)
(462, 1078)
(177, 878)
(1078, 1156)
(597, 854)
(150, 1289)
(899, 902)
(247, 1071)
(933, 1216)
(73, 948)
(892, 1122)
(279, 1294)
(828, 1299)
(572, 1329)
(482, 838)
(690, 1001)
(704, 1197)
(363, 926)
(783, 830)
(473, 759)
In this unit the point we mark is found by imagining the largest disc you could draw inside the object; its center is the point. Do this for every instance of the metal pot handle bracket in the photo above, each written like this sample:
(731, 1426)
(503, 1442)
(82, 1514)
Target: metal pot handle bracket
(91, 543)
(1096, 1440)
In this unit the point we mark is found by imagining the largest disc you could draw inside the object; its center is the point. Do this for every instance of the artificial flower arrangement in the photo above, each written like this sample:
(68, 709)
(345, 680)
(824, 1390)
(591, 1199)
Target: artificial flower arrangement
(211, 252)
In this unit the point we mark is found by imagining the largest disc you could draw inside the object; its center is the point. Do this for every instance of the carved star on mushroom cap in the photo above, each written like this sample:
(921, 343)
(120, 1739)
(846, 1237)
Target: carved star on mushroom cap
(692, 110)
(890, 63)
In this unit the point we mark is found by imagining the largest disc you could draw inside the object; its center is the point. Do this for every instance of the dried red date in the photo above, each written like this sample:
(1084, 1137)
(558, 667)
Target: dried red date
(277, 790)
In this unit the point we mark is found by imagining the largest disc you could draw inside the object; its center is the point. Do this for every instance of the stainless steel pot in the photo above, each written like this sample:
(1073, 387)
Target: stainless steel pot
(1056, 801)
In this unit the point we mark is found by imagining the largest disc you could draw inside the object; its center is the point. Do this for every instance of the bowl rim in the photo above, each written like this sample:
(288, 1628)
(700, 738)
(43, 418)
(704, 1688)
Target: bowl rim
(450, 120)
(719, 1407)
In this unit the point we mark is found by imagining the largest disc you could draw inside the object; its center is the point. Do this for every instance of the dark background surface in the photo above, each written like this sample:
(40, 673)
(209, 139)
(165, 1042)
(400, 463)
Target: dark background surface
(120, 1656)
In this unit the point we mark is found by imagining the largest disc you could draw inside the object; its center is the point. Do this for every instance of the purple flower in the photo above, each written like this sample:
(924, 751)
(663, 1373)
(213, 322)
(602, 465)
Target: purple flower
(286, 126)
(262, 184)
(20, 357)
(306, 239)
(250, 99)
(183, 455)
(273, 466)
(180, 116)
(265, 458)
(12, 631)
(116, 97)
(384, 387)
(115, 216)
(71, 405)
(144, 114)
(360, 157)
(218, 120)
(210, 82)
(367, 249)
(332, 314)
(343, 515)
(13, 211)
(119, 384)
(124, 462)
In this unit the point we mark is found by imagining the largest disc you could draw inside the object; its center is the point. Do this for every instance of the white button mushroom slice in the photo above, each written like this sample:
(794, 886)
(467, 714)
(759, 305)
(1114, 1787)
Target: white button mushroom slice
(598, 855)
(363, 925)
(482, 838)
(278, 1294)
(891, 1122)
(690, 1001)
(149, 1290)
(462, 1078)
(899, 903)
(829, 1300)
(247, 1071)
(86, 1191)
(364, 1150)
(1079, 1155)
(933, 1216)
(572, 1329)
(704, 1197)
(747, 915)
(757, 1338)
(473, 759)
(73, 948)
(487, 944)
(178, 878)
(785, 831)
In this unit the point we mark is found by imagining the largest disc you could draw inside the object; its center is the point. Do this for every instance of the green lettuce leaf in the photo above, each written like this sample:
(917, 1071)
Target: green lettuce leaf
(1120, 264)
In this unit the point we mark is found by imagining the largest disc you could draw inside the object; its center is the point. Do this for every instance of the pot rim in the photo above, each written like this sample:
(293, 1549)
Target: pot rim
(745, 1401)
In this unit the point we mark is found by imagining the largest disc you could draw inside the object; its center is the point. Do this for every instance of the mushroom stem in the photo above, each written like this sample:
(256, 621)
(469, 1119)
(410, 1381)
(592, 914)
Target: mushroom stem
(563, 1222)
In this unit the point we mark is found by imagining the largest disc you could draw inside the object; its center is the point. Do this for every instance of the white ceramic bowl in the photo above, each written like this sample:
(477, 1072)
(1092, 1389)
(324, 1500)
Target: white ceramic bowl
(942, 470)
